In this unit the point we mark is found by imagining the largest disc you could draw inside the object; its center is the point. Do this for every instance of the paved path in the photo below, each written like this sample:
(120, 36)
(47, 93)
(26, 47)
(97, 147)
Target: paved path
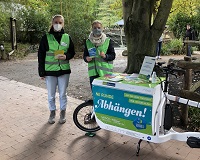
(26, 71)
(26, 135)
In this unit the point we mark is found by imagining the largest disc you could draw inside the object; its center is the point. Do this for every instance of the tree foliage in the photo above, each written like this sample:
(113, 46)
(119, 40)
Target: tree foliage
(109, 12)
(197, 23)
(36, 16)
(184, 6)
(30, 16)
(31, 24)
(182, 13)
(178, 24)
(78, 19)
(117, 6)
(4, 24)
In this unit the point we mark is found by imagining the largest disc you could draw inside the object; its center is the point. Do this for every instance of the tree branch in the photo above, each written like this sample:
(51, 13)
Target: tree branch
(152, 10)
(162, 16)
(126, 9)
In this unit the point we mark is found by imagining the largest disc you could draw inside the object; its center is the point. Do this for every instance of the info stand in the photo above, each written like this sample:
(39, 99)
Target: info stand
(126, 107)
(134, 106)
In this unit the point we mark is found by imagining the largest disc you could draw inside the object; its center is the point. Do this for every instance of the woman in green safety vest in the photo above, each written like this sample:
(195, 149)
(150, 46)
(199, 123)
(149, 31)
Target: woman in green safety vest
(55, 50)
(99, 52)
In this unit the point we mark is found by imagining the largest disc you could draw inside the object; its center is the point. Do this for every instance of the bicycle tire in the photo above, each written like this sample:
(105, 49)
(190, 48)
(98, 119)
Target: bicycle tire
(91, 127)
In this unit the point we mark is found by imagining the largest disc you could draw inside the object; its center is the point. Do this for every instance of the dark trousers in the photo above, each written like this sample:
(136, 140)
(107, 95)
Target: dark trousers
(91, 80)
(189, 51)
(158, 48)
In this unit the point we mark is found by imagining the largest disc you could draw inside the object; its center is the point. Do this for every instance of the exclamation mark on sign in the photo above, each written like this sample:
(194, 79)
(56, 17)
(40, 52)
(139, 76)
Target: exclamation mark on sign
(144, 112)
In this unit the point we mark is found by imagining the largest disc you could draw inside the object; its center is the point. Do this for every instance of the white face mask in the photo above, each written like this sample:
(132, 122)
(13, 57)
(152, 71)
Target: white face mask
(57, 27)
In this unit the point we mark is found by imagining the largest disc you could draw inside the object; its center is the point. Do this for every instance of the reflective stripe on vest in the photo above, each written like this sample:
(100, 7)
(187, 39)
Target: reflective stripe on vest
(98, 66)
(52, 64)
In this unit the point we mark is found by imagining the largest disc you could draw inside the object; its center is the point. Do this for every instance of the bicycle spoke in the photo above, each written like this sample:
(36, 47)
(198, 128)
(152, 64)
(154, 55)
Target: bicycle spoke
(83, 120)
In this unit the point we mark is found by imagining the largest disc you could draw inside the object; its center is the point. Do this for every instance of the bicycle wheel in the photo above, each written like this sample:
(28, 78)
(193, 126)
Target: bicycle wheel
(82, 118)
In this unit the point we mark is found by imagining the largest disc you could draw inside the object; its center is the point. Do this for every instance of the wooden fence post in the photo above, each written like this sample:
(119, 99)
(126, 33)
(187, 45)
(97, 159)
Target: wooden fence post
(187, 85)
(186, 45)
(188, 90)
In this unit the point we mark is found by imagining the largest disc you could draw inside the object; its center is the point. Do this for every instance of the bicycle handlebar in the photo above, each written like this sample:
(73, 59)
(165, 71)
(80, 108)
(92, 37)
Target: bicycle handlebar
(169, 69)
(196, 72)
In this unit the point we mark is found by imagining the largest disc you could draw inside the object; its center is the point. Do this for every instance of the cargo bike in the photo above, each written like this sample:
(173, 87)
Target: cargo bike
(134, 107)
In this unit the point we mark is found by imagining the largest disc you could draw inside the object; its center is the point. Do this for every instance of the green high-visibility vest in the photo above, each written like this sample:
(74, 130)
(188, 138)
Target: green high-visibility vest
(98, 66)
(52, 64)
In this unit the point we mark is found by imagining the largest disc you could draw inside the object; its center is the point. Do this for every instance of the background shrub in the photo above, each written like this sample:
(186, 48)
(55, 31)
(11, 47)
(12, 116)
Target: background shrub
(175, 46)
(193, 118)
(31, 25)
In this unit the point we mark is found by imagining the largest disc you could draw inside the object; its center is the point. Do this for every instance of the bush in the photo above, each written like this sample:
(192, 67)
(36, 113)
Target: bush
(177, 24)
(175, 46)
(31, 25)
(21, 52)
(193, 119)
(79, 31)
(4, 25)
(195, 48)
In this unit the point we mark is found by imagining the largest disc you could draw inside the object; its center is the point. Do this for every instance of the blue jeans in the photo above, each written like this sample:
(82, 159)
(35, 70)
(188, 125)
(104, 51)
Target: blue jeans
(62, 82)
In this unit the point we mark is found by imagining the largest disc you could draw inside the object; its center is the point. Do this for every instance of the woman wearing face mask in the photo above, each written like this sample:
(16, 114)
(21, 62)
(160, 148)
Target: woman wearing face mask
(99, 52)
(55, 50)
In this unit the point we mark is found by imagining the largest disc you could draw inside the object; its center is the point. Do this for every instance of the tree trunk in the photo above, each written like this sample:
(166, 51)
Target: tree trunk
(141, 34)
(138, 47)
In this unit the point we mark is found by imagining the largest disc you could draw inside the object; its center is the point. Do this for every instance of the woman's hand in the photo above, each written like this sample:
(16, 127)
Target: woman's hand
(62, 57)
(88, 58)
(42, 78)
(102, 54)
